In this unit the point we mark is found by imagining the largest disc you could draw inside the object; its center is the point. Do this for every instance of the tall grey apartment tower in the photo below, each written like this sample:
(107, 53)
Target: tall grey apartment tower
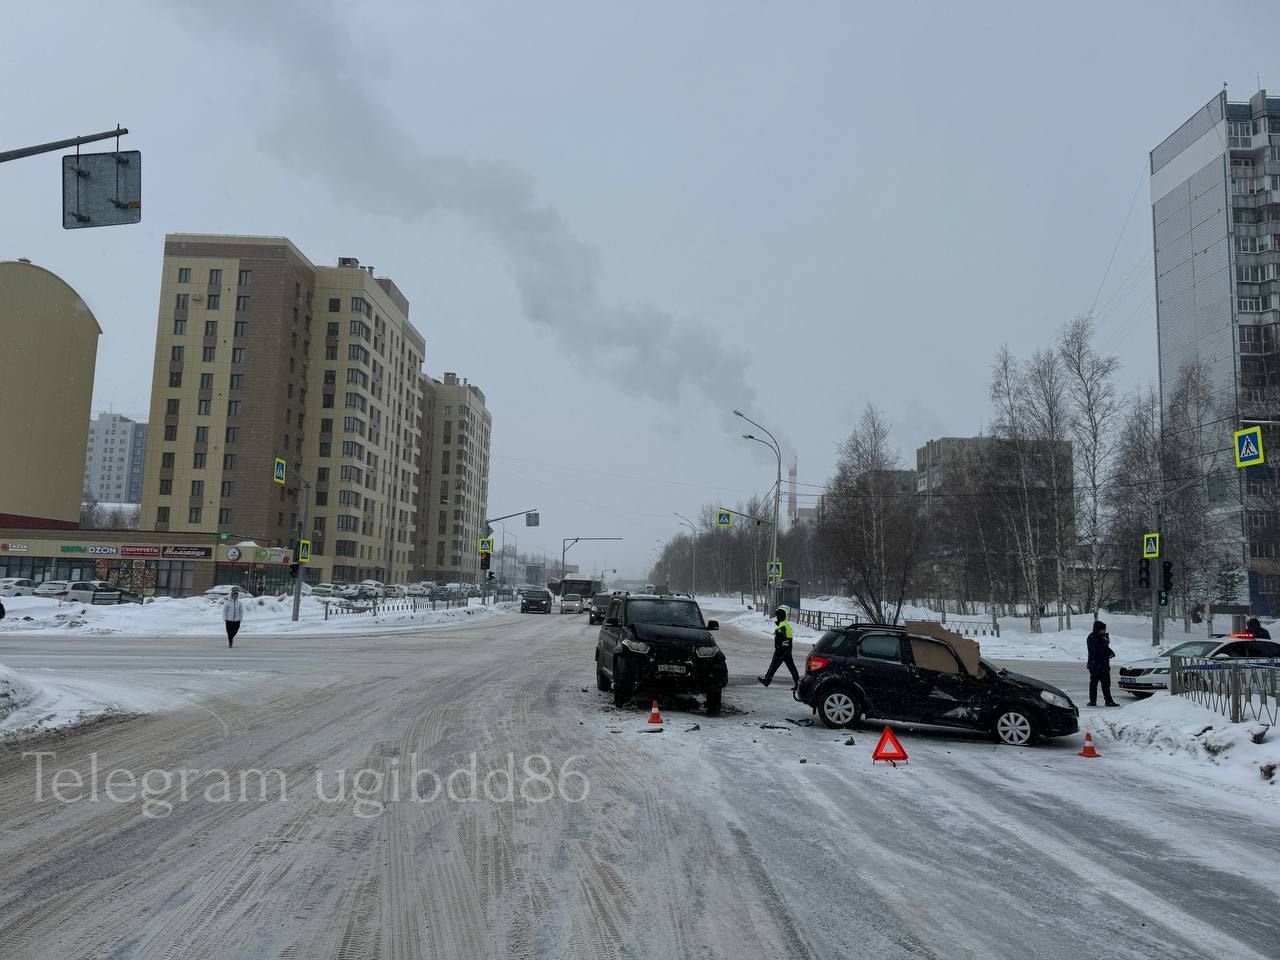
(114, 459)
(1215, 203)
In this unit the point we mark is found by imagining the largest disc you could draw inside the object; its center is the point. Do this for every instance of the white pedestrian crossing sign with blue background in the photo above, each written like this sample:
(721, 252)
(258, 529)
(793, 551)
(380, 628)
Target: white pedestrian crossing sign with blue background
(279, 471)
(1249, 447)
(724, 518)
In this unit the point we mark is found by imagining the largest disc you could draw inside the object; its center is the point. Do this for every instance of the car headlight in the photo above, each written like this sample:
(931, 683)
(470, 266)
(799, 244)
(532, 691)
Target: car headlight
(1053, 698)
(635, 646)
(1161, 670)
(710, 651)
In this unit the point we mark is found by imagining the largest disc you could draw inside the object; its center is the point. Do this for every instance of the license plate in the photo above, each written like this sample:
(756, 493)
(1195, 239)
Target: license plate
(671, 668)
(1124, 680)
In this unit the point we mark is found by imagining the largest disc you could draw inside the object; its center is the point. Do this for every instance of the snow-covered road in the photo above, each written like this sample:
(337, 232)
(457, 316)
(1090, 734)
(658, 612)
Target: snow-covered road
(709, 842)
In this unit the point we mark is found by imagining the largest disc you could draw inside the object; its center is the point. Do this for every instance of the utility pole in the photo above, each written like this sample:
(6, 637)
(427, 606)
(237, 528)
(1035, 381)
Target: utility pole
(693, 589)
(777, 497)
(1156, 624)
(302, 526)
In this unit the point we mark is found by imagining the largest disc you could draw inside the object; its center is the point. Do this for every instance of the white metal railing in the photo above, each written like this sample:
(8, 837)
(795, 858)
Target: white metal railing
(1238, 689)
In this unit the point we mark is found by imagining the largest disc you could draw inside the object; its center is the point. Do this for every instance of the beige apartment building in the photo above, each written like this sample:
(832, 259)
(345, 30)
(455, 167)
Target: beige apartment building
(46, 389)
(261, 354)
(454, 491)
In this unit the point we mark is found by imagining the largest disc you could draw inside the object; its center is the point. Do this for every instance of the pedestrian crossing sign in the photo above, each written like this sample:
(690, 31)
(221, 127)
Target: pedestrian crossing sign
(486, 545)
(304, 551)
(724, 518)
(278, 476)
(775, 568)
(1249, 447)
(1150, 545)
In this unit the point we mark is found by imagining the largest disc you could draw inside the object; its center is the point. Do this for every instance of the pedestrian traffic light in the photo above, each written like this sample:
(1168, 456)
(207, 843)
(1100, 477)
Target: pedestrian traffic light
(1144, 573)
(1166, 576)
(484, 561)
(1162, 598)
(293, 571)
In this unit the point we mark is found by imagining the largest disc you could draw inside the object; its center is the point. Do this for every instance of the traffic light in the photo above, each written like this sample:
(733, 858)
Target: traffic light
(484, 562)
(1162, 598)
(293, 571)
(490, 574)
(1166, 577)
(1144, 573)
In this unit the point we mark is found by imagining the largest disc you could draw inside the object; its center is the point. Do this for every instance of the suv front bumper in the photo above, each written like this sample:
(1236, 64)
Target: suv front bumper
(695, 673)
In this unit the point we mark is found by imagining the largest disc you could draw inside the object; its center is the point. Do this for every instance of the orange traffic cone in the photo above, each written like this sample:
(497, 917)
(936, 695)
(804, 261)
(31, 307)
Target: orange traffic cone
(654, 715)
(1088, 750)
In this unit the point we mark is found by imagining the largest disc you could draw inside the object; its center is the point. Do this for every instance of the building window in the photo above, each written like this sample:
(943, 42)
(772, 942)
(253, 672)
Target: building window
(359, 329)
(325, 448)
(175, 378)
(211, 328)
(357, 376)
(327, 401)
(162, 514)
(242, 303)
(166, 486)
(331, 376)
(170, 432)
(202, 434)
(245, 278)
(213, 301)
(326, 425)
(228, 461)
(197, 461)
(233, 434)
(207, 354)
(181, 302)
(184, 274)
(344, 548)
(171, 406)
(351, 474)
(335, 304)
(1252, 304)
(237, 381)
(179, 328)
(353, 425)
(233, 408)
(166, 461)
(357, 305)
(206, 381)
(357, 352)
(215, 277)
(237, 355)
(175, 354)
(197, 488)
(322, 498)
(227, 487)
(193, 515)
(224, 516)
(241, 328)
(352, 449)
(204, 408)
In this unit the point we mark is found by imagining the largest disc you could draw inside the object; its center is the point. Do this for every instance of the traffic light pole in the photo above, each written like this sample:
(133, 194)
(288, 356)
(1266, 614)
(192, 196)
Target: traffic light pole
(302, 526)
(1156, 624)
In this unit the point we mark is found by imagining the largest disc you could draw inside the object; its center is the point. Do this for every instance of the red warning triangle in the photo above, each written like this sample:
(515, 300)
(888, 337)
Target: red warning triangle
(888, 748)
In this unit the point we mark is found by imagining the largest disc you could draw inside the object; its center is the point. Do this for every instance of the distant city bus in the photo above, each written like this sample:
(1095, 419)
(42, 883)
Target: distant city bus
(582, 586)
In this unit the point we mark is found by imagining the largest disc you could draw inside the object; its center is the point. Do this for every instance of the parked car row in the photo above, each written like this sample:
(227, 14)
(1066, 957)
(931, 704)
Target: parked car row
(76, 591)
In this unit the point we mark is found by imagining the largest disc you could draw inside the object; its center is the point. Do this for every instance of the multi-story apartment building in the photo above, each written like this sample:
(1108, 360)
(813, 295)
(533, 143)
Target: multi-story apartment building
(454, 492)
(46, 373)
(260, 354)
(114, 460)
(1215, 203)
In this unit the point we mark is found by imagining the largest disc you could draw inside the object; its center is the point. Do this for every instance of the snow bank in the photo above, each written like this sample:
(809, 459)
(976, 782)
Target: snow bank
(1204, 743)
(201, 616)
(16, 691)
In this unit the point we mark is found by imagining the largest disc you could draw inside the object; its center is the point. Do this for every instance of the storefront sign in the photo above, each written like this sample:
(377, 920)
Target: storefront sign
(188, 553)
(72, 548)
(133, 550)
(102, 551)
(13, 548)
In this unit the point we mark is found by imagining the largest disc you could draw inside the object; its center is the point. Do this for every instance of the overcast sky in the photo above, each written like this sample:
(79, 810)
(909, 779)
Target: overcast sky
(623, 220)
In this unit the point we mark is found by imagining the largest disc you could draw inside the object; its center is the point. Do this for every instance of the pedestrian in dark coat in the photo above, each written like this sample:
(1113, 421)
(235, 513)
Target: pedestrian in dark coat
(782, 637)
(1100, 654)
(1257, 629)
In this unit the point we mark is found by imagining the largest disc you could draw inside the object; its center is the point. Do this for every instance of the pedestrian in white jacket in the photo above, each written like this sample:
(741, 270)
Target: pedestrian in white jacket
(232, 612)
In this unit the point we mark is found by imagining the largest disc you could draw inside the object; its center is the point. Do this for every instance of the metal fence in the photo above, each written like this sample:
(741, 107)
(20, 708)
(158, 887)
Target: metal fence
(1238, 689)
(334, 608)
(826, 620)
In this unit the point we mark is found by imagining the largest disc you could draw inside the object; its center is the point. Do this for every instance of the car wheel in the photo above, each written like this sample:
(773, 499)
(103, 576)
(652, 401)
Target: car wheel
(622, 688)
(1139, 695)
(602, 681)
(1014, 726)
(839, 708)
(713, 702)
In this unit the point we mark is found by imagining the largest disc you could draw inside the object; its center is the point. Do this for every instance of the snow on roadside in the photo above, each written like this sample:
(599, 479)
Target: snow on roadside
(1204, 744)
(16, 691)
(202, 616)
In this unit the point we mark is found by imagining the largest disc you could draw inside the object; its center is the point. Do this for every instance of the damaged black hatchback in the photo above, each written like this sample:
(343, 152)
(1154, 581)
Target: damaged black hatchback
(659, 642)
(890, 673)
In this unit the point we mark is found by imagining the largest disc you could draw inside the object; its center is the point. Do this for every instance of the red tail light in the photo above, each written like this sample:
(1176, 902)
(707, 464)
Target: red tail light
(815, 661)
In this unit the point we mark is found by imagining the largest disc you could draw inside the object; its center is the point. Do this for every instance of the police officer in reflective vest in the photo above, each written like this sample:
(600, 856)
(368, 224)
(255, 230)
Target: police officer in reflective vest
(782, 636)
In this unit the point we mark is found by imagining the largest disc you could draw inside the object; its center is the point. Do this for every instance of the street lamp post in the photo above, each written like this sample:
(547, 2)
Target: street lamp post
(772, 443)
(693, 587)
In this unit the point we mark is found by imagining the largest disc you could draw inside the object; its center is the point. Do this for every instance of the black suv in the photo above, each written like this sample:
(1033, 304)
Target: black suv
(884, 672)
(656, 641)
(537, 600)
(597, 607)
